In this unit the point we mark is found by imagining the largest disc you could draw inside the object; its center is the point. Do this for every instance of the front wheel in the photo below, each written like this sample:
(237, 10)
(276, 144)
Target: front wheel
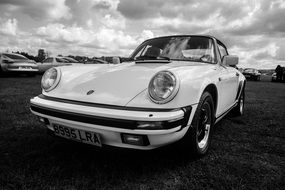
(1, 72)
(199, 133)
(31, 74)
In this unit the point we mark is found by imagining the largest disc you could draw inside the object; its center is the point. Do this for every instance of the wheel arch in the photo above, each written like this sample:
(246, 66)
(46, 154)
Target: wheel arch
(212, 89)
(241, 87)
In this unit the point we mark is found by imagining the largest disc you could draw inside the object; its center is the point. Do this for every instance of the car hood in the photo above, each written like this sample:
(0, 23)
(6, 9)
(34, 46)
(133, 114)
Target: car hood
(112, 84)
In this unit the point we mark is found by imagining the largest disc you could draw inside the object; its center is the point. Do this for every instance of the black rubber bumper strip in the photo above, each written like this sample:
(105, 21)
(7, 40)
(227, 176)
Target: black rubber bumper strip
(106, 121)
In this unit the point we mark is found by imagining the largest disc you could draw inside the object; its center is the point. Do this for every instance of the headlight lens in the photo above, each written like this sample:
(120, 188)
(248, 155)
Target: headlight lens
(50, 79)
(163, 87)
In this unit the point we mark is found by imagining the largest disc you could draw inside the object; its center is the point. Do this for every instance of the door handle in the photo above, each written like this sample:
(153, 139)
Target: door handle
(237, 74)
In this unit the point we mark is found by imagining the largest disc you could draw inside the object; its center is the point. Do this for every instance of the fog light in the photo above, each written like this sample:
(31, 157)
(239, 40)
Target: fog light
(44, 120)
(150, 125)
(140, 140)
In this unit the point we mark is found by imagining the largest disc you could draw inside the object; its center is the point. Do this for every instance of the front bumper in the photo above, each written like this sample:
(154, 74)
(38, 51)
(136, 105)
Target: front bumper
(110, 123)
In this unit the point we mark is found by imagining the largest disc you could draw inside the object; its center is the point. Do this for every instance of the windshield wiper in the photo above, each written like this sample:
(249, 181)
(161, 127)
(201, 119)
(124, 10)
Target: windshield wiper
(144, 57)
(163, 57)
(147, 57)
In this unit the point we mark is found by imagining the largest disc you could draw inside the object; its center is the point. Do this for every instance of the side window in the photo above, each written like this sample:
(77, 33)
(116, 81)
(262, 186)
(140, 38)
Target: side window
(222, 50)
(48, 60)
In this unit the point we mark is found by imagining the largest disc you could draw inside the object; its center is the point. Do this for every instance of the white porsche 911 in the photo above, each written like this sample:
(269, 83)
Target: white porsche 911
(174, 88)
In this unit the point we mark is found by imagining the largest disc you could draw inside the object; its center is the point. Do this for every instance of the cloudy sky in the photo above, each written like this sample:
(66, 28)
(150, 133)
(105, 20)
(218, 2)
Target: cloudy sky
(252, 29)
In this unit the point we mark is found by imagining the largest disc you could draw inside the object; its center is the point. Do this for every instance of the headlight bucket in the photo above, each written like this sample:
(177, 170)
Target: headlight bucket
(163, 87)
(50, 79)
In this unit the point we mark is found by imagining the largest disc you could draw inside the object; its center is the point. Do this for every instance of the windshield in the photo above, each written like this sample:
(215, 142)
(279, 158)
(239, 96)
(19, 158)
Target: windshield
(182, 48)
(14, 56)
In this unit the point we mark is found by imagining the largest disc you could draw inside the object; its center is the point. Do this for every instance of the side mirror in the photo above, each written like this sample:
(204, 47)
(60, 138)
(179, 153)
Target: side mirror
(116, 60)
(230, 60)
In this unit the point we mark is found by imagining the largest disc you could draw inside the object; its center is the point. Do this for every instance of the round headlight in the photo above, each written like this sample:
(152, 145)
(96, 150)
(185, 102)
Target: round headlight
(163, 87)
(50, 79)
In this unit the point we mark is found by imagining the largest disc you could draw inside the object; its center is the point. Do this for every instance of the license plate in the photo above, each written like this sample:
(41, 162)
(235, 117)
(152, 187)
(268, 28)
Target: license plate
(77, 135)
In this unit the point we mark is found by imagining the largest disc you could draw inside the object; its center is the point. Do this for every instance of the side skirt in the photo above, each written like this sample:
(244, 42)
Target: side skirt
(225, 113)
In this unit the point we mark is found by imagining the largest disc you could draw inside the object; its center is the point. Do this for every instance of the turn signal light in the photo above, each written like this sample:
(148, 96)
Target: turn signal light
(44, 120)
(139, 140)
(150, 125)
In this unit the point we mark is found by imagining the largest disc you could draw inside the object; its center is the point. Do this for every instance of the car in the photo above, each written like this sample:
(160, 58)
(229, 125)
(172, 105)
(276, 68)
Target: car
(274, 77)
(55, 62)
(70, 59)
(252, 74)
(16, 63)
(174, 91)
(96, 61)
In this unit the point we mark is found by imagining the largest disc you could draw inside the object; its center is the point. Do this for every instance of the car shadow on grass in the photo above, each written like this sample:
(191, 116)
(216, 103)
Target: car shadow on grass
(49, 157)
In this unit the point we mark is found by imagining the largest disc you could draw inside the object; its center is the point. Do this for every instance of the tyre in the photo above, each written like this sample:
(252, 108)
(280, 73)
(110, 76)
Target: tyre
(1, 72)
(31, 74)
(258, 78)
(198, 136)
(238, 110)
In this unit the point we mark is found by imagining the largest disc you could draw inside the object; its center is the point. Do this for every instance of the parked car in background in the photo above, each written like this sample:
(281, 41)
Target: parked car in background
(96, 61)
(55, 62)
(70, 60)
(274, 77)
(176, 88)
(252, 74)
(16, 63)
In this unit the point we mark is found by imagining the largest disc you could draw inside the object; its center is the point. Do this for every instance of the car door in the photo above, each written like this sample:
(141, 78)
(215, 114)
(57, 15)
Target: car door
(227, 83)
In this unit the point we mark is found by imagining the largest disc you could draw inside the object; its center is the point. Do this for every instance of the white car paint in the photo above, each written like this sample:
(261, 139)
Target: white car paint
(125, 87)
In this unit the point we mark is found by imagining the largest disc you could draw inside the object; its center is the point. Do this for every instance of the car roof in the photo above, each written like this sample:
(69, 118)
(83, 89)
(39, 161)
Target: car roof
(11, 53)
(16, 54)
(185, 35)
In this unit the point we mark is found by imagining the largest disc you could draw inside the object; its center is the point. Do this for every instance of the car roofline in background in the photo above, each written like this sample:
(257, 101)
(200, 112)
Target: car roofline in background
(190, 35)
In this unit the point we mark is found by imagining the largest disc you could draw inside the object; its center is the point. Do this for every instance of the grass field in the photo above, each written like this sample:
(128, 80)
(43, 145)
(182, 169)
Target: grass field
(247, 152)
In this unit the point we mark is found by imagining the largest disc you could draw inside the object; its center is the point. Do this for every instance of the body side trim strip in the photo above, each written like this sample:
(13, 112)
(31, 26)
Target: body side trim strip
(225, 113)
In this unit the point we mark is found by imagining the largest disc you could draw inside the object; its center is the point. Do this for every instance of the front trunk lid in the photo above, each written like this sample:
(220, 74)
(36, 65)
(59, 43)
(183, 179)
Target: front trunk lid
(112, 84)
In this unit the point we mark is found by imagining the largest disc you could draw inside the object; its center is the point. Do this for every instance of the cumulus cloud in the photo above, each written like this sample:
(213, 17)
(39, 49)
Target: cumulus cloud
(267, 18)
(44, 9)
(254, 30)
(104, 40)
(60, 33)
(9, 27)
